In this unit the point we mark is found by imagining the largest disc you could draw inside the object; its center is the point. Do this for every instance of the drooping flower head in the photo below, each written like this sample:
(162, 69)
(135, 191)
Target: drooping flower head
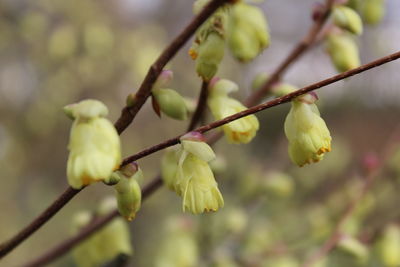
(240, 131)
(308, 135)
(248, 31)
(94, 144)
(185, 170)
(127, 190)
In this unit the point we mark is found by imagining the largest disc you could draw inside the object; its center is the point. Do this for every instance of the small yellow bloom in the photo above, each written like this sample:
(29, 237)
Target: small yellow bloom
(94, 145)
(343, 51)
(308, 136)
(185, 170)
(200, 190)
(348, 19)
(240, 131)
(248, 32)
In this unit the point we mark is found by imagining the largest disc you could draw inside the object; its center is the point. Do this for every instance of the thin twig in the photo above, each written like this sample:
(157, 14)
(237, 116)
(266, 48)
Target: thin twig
(298, 51)
(127, 116)
(129, 113)
(47, 214)
(201, 106)
(266, 105)
(337, 232)
(156, 183)
(87, 231)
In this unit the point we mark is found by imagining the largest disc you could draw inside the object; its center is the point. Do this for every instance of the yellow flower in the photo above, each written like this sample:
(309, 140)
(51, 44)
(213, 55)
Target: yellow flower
(200, 190)
(240, 131)
(94, 145)
(348, 19)
(343, 51)
(248, 32)
(308, 136)
(185, 170)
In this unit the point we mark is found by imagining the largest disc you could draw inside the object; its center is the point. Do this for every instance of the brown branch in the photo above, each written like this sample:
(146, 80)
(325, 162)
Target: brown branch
(64, 247)
(129, 113)
(266, 105)
(201, 106)
(127, 116)
(298, 51)
(47, 214)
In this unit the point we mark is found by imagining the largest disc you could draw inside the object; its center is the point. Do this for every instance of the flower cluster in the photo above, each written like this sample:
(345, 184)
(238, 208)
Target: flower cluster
(242, 26)
(185, 170)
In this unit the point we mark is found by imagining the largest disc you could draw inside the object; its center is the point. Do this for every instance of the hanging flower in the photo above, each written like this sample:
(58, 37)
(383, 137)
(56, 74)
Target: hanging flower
(240, 131)
(94, 144)
(308, 135)
(248, 31)
(185, 170)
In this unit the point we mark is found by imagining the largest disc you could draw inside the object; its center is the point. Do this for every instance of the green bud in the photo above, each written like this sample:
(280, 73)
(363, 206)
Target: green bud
(348, 19)
(248, 32)
(258, 81)
(389, 246)
(171, 103)
(373, 11)
(129, 195)
(131, 100)
(343, 51)
(210, 55)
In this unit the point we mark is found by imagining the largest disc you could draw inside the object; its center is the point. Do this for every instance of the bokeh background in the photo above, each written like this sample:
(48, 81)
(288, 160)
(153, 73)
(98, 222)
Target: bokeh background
(56, 52)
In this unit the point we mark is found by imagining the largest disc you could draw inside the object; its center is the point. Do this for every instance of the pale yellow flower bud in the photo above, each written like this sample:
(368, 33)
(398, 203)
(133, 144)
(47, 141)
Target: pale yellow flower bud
(248, 32)
(210, 55)
(94, 145)
(348, 19)
(171, 103)
(129, 194)
(373, 11)
(308, 136)
(343, 51)
(221, 105)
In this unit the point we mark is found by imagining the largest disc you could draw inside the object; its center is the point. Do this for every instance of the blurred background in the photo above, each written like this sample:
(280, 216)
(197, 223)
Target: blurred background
(56, 52)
